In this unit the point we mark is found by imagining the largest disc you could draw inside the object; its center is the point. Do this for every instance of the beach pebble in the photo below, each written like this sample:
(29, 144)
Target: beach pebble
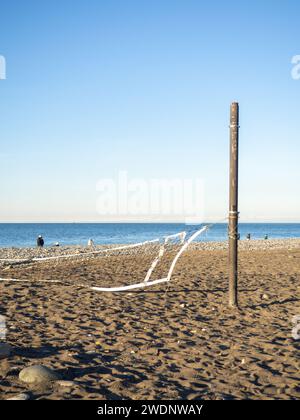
(38, 374)
(271, 390)
(5, 350)
(265, 296)
(19, 397)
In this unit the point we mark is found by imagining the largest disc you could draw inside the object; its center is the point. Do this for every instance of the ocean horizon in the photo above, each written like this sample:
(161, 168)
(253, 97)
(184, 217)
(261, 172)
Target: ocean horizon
(25, 234)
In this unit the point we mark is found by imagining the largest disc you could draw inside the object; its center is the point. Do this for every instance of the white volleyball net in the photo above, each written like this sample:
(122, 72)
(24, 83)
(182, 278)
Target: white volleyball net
(106, 269)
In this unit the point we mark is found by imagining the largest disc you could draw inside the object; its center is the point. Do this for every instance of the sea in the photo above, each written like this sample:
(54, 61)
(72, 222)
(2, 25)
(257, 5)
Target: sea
(25, 234)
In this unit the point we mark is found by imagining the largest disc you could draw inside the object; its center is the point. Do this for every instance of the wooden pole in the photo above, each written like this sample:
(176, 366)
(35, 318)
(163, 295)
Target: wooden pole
(233, 205)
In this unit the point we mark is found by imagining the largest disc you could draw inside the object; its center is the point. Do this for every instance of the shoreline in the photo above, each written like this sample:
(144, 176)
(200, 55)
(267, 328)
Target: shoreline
(244, 245)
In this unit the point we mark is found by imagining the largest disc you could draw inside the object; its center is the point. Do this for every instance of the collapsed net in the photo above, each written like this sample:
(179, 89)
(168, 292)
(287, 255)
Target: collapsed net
(114, 268)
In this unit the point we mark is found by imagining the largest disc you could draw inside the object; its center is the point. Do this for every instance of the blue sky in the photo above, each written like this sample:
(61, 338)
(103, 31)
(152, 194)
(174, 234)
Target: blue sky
(95, 87)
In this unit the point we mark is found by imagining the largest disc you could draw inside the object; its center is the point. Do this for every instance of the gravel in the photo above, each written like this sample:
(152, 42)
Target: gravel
(29, 253)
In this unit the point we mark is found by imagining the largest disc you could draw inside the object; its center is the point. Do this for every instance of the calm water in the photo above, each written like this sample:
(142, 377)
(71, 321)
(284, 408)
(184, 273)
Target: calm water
(24, 234)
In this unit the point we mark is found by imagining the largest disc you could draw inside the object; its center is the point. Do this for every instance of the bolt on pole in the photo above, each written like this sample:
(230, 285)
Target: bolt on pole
(233, 205)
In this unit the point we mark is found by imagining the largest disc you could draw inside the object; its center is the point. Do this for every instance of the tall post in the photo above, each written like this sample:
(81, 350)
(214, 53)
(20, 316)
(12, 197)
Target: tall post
(233, 205)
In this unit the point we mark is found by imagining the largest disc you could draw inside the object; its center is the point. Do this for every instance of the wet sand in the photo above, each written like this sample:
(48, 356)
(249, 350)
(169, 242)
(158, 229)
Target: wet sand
(170, 341)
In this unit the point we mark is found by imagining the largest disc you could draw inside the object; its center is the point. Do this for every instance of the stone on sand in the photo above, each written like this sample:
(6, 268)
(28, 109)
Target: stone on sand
(38, 374)
(19, 397)
(5, 350)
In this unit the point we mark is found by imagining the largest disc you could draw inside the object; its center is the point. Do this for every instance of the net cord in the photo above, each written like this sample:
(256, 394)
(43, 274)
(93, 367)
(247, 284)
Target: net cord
(146, 281)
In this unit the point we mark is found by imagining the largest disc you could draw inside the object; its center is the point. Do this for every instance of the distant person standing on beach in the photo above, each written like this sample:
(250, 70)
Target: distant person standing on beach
(40, 241)
(91, 243)
(248, 236)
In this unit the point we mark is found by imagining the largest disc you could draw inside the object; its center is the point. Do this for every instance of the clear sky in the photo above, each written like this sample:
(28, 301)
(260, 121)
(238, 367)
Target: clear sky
(98, 86)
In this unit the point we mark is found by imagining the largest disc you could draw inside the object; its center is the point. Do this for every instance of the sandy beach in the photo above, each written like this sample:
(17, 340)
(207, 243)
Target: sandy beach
(172, 341)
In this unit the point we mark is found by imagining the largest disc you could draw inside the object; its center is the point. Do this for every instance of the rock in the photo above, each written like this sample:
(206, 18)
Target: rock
(271, 390)
(19, 397)
(265, 297)
(5, 350)
(38, 374)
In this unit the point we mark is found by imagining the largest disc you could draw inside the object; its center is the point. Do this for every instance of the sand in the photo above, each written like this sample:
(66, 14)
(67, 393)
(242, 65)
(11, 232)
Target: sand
(180, 342)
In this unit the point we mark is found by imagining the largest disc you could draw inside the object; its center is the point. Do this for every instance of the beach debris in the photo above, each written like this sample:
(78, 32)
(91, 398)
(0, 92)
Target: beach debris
(38, 374)
(5, 350)
(19, 397)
